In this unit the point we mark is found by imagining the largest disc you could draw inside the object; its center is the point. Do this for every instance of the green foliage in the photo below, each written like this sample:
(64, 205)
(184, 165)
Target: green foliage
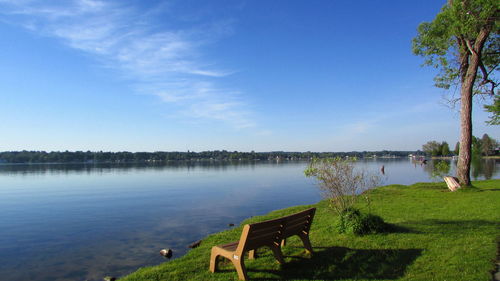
(488, 145)
(435, 43)
(353, 221)
(373, 224)
(432, 148)
(443, 43)
(494, 109)
(484, 146)
(480, 146)
(349, 221)
(435, 148)
(477, 147)
(341, 184)
(445, 149)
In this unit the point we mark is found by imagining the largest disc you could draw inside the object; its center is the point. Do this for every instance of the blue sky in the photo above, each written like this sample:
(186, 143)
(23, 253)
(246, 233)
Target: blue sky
(212, 75)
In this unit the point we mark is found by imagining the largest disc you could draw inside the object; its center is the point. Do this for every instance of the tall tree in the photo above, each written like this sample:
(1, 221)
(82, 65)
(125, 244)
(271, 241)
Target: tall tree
(445, 149)
(457, 148)
(477, 147)
(488, 145)
(432, 148)
(463, 41)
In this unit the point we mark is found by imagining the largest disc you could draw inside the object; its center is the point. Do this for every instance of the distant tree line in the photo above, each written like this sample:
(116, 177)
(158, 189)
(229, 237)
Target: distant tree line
(161, 156)
(485, 146)
(434, 148)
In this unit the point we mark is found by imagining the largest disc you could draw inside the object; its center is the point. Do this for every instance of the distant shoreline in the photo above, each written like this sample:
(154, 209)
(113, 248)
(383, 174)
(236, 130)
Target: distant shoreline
(451, 157)
(179, 161)
(89, 157)
(162, 157)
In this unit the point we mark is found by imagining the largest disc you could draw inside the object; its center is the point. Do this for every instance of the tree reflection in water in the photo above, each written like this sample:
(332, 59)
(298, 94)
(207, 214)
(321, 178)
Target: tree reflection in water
(481, 168)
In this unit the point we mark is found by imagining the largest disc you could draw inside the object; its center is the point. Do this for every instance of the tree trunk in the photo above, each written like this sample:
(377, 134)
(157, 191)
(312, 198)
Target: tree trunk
(473, 53)
(464, 156)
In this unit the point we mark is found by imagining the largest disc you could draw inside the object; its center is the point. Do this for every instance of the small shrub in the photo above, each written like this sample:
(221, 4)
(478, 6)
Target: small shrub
(341, 185)
(339, 181)
(373, 224)
(348, 220)
(352, 221)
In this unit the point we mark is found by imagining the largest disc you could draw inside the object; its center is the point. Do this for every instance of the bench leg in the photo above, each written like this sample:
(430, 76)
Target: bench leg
(278, 254)
(240, 268)
(252, 254)
(307, 243)
(283, 243)
(214, 258)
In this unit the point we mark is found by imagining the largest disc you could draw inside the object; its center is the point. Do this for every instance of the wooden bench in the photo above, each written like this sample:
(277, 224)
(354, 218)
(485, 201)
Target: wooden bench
(271, 233)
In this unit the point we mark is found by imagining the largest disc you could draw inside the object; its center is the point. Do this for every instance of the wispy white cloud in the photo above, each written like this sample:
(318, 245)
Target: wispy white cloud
(165, 63)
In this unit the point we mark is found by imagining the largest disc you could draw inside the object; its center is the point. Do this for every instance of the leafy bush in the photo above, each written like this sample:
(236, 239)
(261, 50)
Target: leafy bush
(339, 181)
(349, 221)
(352, 221)
(341, 185)
(373, 224)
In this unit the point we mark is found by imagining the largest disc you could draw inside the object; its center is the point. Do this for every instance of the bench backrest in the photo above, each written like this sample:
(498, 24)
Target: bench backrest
(270, 232)
(298, 223)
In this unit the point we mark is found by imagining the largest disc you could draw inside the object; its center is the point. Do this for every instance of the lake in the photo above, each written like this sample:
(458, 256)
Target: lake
(84, 222)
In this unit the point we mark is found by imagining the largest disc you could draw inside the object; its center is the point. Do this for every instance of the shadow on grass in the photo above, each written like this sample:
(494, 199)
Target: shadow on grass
(333, 263)
(394, 228)
(452, 226)
(489, 189)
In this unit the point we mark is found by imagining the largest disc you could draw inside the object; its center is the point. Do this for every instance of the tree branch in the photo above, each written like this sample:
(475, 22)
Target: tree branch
(469, 46)
(481, 37)
(486, 80)
(493, 68)
(478, 46)
(464, 56)
(451, 102)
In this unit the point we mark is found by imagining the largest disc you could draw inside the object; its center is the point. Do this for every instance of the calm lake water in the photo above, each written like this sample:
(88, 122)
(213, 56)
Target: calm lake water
(83, 222)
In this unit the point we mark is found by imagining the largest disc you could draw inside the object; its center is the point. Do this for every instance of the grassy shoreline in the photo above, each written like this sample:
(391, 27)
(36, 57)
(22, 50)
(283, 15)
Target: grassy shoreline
(440, 235)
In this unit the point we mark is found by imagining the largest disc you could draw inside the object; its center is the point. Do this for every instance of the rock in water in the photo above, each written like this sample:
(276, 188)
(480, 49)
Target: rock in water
(231, 224)
(166, 253)
(195, 244)
(109, 278)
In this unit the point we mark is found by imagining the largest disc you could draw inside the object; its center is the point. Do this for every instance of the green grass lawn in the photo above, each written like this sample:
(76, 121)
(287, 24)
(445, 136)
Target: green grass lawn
(439, 235)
